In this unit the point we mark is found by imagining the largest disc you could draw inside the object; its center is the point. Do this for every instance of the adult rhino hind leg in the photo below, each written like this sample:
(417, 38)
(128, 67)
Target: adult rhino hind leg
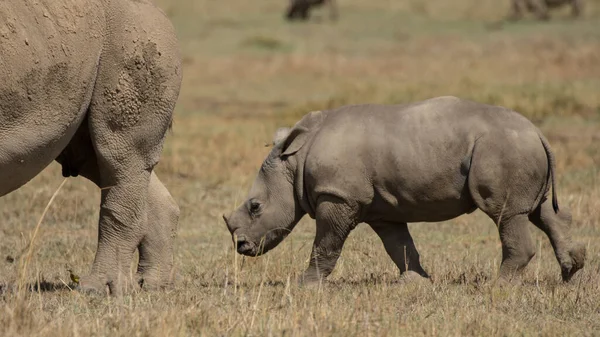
(335, 220)
(400, 247)
(131, 110)
(126, 158)
(570, 255)
(155, 267)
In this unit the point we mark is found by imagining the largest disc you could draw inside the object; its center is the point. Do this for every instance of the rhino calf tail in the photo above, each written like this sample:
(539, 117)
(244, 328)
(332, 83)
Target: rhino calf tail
(551, 169)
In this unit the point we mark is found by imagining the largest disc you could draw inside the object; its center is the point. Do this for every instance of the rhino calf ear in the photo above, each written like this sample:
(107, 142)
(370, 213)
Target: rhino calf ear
(294, 141)
(280, 135)
(296, 137)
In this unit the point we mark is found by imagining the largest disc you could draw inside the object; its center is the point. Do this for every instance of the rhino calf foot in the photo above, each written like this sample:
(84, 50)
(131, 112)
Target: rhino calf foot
(505, 282)
(575, 261)
(412, 277)
(310, 278)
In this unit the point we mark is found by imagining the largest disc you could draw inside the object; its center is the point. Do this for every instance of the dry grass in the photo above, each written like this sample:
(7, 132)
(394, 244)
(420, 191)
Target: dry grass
(247, 74)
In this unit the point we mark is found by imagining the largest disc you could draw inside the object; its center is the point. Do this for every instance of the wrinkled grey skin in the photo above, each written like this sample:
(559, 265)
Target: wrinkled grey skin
(300, 9)
(540, 8)
(389, 165)
(93, 84)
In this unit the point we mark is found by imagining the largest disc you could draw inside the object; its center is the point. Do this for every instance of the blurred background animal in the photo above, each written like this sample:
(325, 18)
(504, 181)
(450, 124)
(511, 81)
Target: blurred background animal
(300, 9)
(540, 8)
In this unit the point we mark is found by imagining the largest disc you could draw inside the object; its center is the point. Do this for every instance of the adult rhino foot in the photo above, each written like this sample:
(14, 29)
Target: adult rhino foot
(310, 279)
(98, 285)
(574, 262)
(154, 280)
(91, 285)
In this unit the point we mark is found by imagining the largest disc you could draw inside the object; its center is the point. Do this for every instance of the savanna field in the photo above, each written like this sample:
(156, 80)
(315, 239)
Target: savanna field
(248, 72)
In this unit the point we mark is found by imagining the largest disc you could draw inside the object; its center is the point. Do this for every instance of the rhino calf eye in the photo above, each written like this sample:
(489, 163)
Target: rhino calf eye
(254, 207)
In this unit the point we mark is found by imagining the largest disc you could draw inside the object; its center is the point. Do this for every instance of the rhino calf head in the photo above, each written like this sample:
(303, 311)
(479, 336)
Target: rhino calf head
(271, 210)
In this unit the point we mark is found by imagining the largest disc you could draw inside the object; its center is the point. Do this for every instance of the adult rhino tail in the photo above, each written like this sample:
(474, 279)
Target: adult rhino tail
(551, 170)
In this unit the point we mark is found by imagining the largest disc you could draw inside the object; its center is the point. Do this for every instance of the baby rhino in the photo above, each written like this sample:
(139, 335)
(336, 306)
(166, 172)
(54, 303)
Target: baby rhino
(390, 165)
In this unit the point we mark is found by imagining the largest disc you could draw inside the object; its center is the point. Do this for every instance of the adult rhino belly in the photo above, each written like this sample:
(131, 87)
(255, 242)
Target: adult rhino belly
(49, 54)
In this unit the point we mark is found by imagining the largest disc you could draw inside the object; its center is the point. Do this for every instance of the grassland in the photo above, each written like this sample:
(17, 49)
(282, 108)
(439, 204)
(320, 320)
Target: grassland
(246, 73)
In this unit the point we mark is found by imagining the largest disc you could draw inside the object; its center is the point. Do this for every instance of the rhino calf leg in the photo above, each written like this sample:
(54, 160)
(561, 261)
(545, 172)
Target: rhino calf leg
(400, 246)
(517, 246)
(335, 220)
(570, 255)
(155, 267)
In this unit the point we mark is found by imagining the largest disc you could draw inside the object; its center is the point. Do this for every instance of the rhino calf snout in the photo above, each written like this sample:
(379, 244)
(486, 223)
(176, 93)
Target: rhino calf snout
(245, 247)
(242, 244)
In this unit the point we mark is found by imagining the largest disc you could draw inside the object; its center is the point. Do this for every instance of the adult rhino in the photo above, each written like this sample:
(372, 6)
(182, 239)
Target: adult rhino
(541, 7)
(93, 84)
(389, 165)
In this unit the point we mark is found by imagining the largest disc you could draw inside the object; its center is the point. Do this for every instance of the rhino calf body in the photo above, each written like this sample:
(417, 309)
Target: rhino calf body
(93, 84)
(389, 165)
(541, 7)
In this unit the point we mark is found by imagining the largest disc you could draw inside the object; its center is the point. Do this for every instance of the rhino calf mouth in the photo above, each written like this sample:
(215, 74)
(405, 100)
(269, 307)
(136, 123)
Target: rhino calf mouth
(245, 247)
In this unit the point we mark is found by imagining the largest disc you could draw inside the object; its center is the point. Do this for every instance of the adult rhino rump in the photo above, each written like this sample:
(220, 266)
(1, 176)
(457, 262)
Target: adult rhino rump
(389, 165)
